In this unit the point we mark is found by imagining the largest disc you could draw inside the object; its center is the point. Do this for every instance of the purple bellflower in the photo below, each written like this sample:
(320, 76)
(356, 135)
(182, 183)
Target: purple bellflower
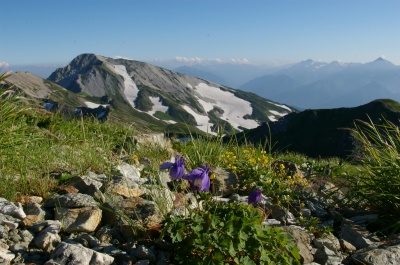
(177, 169)
(255, 196)
(199, 179)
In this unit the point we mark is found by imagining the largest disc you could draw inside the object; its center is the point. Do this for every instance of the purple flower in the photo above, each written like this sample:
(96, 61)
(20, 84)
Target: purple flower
(177, 169)
(198, 178)
(255, 196)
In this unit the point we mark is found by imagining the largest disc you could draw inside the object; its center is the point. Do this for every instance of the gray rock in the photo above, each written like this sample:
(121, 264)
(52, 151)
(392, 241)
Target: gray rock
(316, 209)
(326, 256)
(346, 246)
(92, 241)
(164, 178)
(48, 238)
(26, 235)
(89, 185)
(131, 172)
(363, 219)
(328, 250)
(370, 256)
(271, 222)
(125, 187)
(84, 219)
(9, 221)
(303, 240)
(71, 200)
(281, 214)
(6, 256)
(9, 208)
(34, 214)
(107, 234)
(66, 254)
(143, 253)
(356, 235)
(225, 182)
(131, 212)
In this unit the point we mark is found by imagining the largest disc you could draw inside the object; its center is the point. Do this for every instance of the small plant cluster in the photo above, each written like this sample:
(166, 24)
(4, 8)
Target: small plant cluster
(313, 225)
(256, 168)
(228, 233)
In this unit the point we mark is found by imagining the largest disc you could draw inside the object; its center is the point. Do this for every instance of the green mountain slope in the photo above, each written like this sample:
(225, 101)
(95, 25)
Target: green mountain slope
(321, 132)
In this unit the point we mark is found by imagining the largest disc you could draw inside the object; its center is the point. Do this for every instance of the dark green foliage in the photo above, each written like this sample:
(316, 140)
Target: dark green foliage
(228, 233)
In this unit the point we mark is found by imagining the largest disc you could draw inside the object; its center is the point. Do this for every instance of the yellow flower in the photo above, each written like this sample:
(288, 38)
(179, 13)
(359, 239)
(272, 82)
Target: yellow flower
(212, 176)
(282, 166)
(233, 167)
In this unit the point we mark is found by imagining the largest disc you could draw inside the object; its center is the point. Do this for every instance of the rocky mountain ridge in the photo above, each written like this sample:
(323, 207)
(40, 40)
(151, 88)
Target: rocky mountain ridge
(165, 96)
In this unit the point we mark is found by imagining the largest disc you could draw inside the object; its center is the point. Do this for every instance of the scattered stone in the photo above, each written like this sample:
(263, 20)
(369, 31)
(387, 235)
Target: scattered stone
(30, 199)
(6, 256)
(225, 182)
(48, 238)
(125, 187)
(131, 172)
(144, 253)
(303, 240)
(9, 208)
(375, 255)
(90, 185)
(84, 219)
(66, 254)
(73, 200)
(34, 214)
(356, 235)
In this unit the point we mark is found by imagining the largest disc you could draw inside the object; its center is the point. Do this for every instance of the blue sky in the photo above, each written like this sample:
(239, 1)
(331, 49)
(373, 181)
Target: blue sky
(56, 31)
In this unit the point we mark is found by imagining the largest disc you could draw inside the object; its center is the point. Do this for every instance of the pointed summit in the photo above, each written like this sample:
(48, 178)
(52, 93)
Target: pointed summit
(380, 64)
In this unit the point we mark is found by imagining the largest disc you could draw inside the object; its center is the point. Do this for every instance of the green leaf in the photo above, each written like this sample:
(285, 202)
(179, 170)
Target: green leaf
(246, 261)
(243, 235)
(232, 250)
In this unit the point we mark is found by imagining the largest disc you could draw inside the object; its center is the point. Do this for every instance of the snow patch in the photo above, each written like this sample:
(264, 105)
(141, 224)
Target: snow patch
(189, 86)
(157, 106)
(282, 106)
(277, 113)
(94, 105)
(201, 120)
(234, 108)
(272, 118)
(130, 89)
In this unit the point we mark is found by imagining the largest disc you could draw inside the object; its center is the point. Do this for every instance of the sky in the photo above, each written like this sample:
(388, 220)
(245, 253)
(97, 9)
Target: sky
(45, 32)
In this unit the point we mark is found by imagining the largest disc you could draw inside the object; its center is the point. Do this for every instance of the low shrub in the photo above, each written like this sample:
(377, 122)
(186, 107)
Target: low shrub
(227, 233)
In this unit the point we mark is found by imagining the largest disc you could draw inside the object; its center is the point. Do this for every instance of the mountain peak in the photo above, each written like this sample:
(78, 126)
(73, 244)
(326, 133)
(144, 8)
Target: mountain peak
(380, 63)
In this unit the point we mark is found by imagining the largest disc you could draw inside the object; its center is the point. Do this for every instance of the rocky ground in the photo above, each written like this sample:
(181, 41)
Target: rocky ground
(99, 219)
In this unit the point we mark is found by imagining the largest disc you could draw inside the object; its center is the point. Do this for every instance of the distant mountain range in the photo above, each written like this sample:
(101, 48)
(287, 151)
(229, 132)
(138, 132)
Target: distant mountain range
(310, 84)
(149, 96)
